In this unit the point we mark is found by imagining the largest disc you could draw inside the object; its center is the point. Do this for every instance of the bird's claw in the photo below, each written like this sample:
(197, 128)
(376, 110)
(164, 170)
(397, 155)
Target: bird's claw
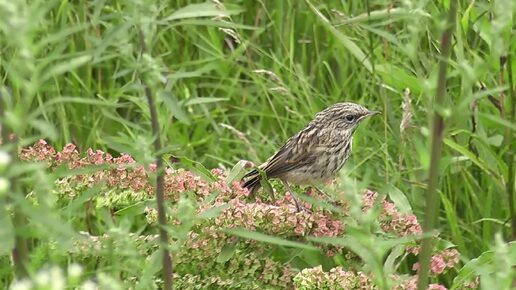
(301, 208)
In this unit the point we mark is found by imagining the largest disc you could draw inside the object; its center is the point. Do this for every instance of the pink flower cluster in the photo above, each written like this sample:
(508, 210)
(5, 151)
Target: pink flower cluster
(122, 172)
(206, 241)
(248, 260)
(411, 284)
(391, 220)
(125, 173)
(281, 218)
(446, 259)
(337, 278)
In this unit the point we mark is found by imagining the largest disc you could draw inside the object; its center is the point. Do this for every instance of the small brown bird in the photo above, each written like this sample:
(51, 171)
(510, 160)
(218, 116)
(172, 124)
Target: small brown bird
(317, 152)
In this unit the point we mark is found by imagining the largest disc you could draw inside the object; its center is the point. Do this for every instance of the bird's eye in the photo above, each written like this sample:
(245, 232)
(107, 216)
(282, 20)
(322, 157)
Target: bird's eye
(350, 118)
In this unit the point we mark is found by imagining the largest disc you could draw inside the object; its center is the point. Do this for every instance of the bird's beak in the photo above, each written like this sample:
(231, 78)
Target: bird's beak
(372, 113)
(369, 114)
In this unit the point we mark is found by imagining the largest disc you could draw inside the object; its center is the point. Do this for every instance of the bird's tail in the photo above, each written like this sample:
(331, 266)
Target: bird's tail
(253, 183)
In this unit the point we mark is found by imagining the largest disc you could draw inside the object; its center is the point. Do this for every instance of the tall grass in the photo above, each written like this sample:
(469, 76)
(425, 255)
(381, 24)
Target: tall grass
(70, 72)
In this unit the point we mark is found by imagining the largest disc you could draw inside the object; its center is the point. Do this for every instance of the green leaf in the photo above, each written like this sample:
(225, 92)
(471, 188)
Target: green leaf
(65, 66)
(237, 172)
(206, 9)
(175, 108)
(226, 252)
(390, 263)
(498, 120)
(213, 212)
(197, 101)
(399, 78)
(45, 128)
(483, 265)
(399, 199)
(76, 205)
(135, 209)
(266, 185)
(468, 272)
(495, 140)
(210, 65)
(210, 22)
(268, 239)
(197, 167)
(390, 14)
(464, 151)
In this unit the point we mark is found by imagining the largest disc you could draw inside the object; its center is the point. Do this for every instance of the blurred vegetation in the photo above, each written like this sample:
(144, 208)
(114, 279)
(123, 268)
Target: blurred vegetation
(234, 80)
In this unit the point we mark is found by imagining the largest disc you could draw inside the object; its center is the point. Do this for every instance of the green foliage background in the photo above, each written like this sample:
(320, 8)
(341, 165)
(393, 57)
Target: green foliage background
(72, 70)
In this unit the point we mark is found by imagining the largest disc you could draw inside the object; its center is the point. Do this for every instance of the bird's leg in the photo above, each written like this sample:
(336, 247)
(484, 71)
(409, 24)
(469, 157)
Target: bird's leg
(330, 198)
(298, 207)
(321, 192)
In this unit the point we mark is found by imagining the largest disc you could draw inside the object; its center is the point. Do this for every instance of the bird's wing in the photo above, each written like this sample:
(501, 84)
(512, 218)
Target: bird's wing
(299, 150)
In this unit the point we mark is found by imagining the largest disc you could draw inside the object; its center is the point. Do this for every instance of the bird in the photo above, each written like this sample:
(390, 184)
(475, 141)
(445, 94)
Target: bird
(316, 153)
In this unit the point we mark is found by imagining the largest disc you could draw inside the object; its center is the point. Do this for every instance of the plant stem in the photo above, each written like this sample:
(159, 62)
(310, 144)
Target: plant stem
(19, 253)
(432, 196)
(160, 181)
(509, 156)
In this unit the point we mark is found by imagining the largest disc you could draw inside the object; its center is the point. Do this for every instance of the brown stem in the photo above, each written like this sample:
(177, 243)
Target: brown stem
(160, 181)
(503, 61)
(509, 156)
(432, 196)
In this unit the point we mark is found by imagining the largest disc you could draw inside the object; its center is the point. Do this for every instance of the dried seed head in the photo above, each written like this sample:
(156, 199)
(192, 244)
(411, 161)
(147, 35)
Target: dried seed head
(407, 113)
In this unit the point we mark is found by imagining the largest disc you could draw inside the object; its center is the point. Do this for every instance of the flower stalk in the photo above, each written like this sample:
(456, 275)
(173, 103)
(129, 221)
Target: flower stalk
(160, 181)
(432, 195)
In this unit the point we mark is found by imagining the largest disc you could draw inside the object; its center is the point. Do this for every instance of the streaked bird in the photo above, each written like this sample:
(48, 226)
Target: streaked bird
(316, 153)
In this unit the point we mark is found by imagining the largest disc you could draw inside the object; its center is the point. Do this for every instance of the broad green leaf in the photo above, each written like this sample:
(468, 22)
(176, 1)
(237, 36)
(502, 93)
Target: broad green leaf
(399, 78)
(75, 205)
(399, 199)
(196, 167)
(210, 22)
(210, 64)
(464, 151)
(498, 120)
(174, 106)
(481, 265)
(495, 140)
(226, 252)
(137, 208)
(237, 172)
(213, 212)
(266, 185)
(269, 239)
(389, 265)
(206, 9)
(365, 238)
(197, 101)
(390, 14)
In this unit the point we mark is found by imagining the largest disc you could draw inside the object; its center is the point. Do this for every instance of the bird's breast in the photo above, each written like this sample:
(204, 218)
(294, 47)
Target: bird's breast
(335, 158)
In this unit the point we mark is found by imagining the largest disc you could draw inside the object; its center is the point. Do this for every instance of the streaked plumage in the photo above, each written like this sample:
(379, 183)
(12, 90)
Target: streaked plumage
(317, 152)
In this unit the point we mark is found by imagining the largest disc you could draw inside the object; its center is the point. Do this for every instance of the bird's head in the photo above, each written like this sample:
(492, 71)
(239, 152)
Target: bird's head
(344, 116)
